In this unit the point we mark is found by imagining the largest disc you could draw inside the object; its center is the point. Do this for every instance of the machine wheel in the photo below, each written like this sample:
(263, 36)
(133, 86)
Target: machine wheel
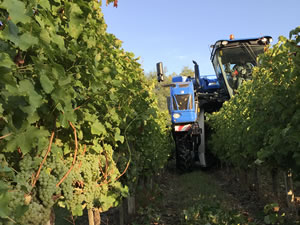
(184, 157)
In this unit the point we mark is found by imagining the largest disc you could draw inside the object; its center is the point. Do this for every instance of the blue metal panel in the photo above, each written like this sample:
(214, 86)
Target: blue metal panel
(209, 83)
(179, 79)
(189, 114)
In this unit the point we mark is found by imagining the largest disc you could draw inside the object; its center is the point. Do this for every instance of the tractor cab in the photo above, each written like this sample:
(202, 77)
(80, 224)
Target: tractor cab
(233, 60)
(182, 102)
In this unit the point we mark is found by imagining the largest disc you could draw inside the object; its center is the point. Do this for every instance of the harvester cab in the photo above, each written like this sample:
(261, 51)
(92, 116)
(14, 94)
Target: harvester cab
(233, 60)
(182, 103)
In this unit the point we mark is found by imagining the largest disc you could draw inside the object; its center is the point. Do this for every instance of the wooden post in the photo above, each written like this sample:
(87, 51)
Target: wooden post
(121, 214)
(131, 205)
(97, 217)
(91, 217)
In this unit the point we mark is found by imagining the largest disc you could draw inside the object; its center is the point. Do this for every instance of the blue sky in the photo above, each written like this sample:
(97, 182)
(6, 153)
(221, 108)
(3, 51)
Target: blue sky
(176, 32)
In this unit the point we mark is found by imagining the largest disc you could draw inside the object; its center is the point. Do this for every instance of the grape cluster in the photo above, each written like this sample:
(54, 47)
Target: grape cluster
(67, 188)
(59, 169)
(36, 214)
(26, 163)
(23, 179)
(46, 189)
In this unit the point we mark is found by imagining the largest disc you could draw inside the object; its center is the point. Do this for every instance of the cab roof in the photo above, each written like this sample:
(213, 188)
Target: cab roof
(264, 40)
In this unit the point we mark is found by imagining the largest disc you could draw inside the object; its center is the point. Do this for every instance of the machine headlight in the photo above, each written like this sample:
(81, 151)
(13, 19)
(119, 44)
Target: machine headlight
(264, 40)
(176, 115)
(224, 43)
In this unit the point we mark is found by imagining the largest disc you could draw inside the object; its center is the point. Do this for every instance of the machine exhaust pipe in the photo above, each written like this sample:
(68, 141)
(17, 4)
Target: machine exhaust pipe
(197, 74)
(160, 72)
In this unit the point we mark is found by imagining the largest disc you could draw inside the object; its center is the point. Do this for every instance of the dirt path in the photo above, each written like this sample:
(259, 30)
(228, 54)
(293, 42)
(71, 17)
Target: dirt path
(177, 197)
(205, 197)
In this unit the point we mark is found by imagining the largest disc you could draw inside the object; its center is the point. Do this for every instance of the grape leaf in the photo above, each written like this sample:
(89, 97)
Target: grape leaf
(26, 40)
(5, 60)
(44, 35)
(20, 210)
(45, 4)
(98, 128)
(77, 210)
(4, 210)
(16, 10)
(47, 84)
(76, 22)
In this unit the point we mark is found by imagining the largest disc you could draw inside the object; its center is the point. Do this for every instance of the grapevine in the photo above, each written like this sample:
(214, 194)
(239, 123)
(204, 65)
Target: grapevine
(259, 125)
(68, 95)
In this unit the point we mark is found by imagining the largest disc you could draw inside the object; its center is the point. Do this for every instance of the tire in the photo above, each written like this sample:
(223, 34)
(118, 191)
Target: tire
(184, 156)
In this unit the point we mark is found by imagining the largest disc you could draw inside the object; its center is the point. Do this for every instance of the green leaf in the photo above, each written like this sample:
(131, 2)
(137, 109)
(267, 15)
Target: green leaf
(58, 71)
(76, 22)
(10, 33)
(45, 4)
(16, 10)
(96, 146)
(64, 81)
(56, 151)
(77, 210)
(63, 120)
(4, 210)
(3, 187)
(59, 40)
(33, 116)
(125, 191)
(117, 83)
(98, 128)
(47, 84)
(107, 202)
(5, 169)
(5, 60)
(80, 134)
(1, 109)
(4, 199)
(113, 97)
(44, 35)
(26, 41)
(27, 139)
(67, 149)
(119, 137)
(21, 210)
(27, 87)
(13, 29)
(62, 204)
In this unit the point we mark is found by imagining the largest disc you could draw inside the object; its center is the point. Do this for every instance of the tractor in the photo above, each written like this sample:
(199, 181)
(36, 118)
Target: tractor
(192, 97)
